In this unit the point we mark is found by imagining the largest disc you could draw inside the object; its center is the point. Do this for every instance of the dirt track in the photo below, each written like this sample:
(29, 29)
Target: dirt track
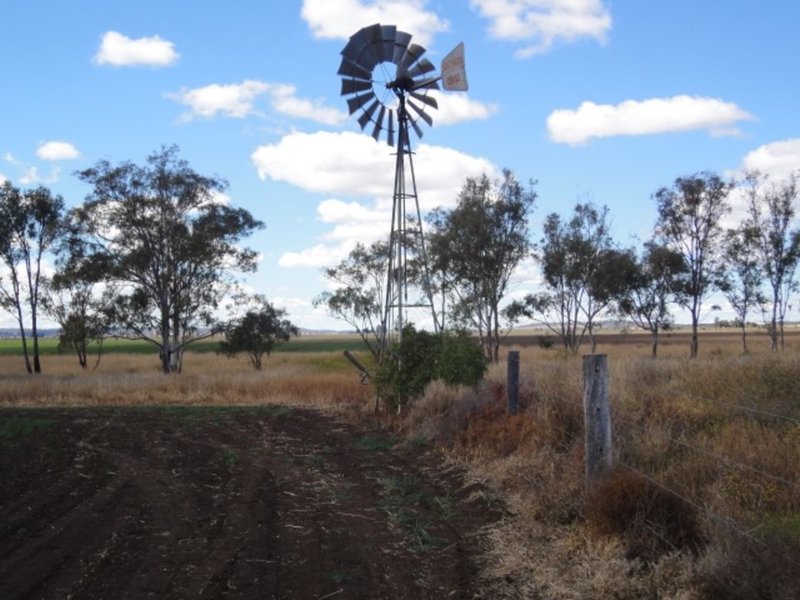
(264, 502)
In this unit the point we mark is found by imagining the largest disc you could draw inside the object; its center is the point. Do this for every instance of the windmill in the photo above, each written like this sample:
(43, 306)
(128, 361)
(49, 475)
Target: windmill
(386, 79)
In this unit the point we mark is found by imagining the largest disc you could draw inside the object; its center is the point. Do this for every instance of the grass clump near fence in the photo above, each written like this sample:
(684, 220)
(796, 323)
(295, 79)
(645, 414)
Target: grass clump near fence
(704, 501)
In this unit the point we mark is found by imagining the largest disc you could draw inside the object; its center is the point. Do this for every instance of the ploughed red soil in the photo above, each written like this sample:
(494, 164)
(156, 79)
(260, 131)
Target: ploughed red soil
(265, 502)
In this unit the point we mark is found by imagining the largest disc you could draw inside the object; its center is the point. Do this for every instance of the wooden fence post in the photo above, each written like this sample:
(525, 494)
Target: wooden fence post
(597, 417)
(512, 382)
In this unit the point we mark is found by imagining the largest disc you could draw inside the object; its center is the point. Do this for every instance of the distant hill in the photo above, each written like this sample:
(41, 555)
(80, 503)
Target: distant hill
(14, 333)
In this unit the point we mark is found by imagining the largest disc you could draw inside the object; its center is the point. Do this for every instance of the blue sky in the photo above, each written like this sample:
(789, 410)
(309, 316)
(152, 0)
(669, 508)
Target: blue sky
(597, 100)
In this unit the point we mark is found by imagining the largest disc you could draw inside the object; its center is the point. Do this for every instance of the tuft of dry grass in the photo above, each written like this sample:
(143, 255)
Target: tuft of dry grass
(651, 520)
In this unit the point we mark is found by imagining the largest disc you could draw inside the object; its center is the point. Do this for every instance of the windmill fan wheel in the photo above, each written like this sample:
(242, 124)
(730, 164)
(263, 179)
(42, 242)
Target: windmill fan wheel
(383, 75)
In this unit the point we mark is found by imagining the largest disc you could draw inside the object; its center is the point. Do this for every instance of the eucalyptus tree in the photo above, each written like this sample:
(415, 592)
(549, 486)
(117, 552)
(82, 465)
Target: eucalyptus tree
(583, 274)
(689, 222)
(771, 207)
(30, 226)
(743, 276)
(652, 286)
(174, 249)
(258, 332)
(476, 246)
(78, 298)
(359, 287)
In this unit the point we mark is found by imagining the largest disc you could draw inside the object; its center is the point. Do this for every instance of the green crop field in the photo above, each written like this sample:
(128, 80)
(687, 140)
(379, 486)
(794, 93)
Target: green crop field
(315, 343)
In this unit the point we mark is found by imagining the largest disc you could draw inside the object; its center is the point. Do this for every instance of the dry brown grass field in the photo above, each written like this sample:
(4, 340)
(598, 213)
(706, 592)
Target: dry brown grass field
(704, 502)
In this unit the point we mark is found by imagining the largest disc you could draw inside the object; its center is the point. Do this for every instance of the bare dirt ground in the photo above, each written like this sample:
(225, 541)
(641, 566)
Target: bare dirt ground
(267, 502)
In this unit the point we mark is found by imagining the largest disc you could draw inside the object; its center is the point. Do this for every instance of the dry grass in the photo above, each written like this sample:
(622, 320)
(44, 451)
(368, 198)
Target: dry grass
(320, 380)
(717, 442)
(716, 515)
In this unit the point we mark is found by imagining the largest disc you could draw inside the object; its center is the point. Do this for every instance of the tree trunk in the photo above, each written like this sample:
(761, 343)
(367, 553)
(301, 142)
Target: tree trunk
(773, 326)
(37, 366)
(695, 341)
(744, 338)
(654, 344)
(24, 340)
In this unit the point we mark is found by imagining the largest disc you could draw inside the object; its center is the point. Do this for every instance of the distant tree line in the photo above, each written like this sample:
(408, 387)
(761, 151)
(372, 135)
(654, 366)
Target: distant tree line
(151, 254)
(476, 247)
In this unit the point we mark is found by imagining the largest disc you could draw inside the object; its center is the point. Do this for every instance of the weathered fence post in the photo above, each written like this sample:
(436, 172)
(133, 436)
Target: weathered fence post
(512, 382)
(597, 417)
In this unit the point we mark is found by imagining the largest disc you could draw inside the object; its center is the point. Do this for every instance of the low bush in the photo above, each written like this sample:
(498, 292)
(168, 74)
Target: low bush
(421, 357)
(743, 567)
(649, 519)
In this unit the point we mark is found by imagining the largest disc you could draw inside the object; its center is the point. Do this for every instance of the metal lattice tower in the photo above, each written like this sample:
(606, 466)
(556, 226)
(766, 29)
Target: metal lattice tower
(386, 78)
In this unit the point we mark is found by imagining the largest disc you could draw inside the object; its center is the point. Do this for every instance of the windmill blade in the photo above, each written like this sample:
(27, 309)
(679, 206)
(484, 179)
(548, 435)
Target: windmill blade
(422, 67)
(366, 117)
(401, 42)
(350, 69)
(352, 51)
(356, 102)
(425, 99)
(388, 35)
(413, 53)
(416, 127)
(352, 86)
(379, 123)
(431, 83)
(359, 50)
(390, 138)
(374, 36)
(422, 114)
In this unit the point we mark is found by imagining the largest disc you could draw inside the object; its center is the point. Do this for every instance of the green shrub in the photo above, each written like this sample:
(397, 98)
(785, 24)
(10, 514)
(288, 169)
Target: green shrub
(461, 360)
(421, 357)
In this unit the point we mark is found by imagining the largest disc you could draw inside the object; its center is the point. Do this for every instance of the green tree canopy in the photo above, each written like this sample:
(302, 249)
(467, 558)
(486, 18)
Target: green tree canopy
(257, 333)
(358, 298)
(174, 248)
(475, 248)
(689, 216)
(30, 225)
(653, 285)
(771, 208)
(583, 273)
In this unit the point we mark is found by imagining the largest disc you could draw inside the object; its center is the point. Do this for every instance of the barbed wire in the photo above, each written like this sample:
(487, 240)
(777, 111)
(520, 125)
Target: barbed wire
(727, 521)
(720, 458)
(749, 409)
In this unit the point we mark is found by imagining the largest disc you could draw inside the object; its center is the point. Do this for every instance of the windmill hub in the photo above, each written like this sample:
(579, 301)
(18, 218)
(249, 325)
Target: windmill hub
(404, 84)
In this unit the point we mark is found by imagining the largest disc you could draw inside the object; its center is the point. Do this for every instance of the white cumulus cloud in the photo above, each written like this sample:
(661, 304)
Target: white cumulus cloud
(318, 256)
(339, 19)
(642, 117)
(285, 101)
(355, 165)
(457, 107)
(777, 159)
(231, 100)
(57, 150)
(238, 100)
(119, 50)
(540, 24)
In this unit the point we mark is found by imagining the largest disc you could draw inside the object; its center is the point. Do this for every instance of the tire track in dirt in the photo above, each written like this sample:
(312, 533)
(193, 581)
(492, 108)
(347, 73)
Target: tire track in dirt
(234, 503)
